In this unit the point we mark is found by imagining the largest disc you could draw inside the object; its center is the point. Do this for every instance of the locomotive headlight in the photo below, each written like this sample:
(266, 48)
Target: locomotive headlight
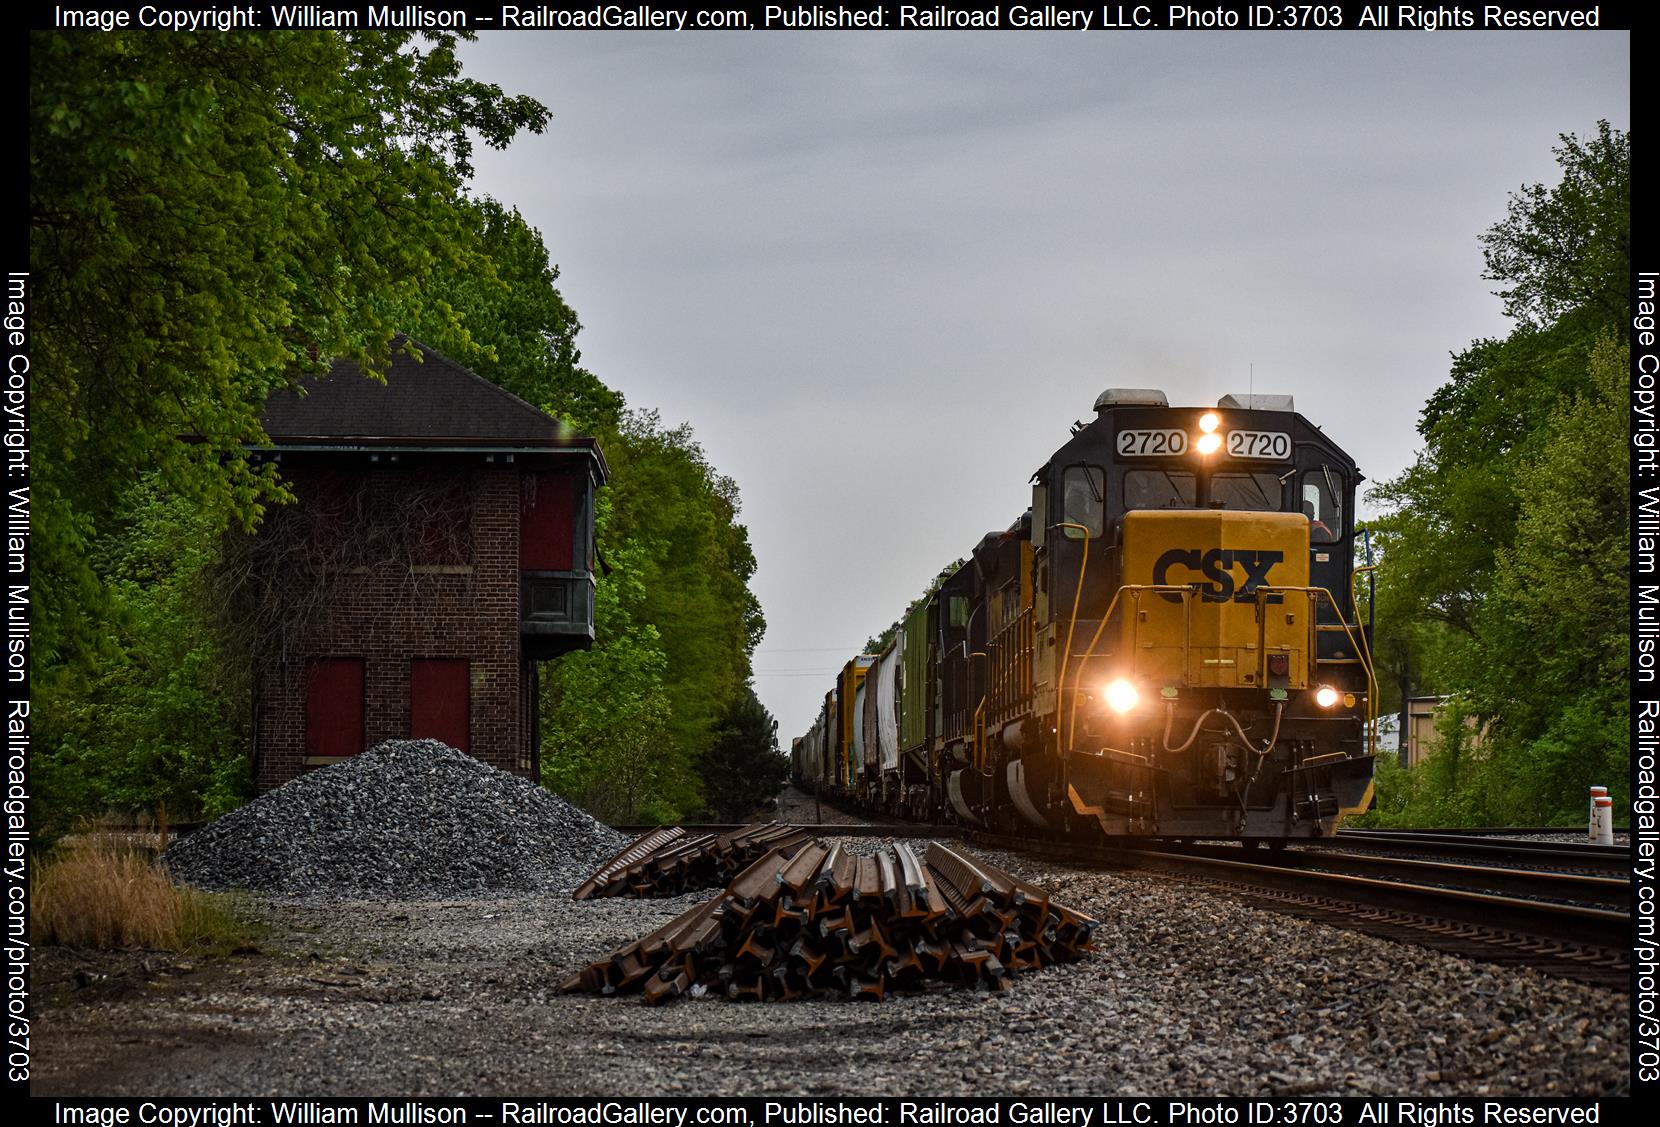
(1121, 695)
(1209, 421)
(1208, 443)
(1326, 696)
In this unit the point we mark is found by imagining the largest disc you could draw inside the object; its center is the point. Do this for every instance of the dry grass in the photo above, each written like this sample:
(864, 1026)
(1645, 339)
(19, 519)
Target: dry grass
(100, 891)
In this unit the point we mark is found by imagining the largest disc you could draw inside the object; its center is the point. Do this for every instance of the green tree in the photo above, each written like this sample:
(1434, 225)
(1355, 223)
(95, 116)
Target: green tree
(209, 214)
(211, 218)
(1501, 581)
(1569, 247)
(605, 712)
(742, 771)
(695, 563)
(1559, 610)
(506, 319)
(677, 572)
(161, 720)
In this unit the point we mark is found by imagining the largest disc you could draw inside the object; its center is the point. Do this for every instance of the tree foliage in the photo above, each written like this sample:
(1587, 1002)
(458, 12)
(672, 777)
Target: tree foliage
(605, 712)
(1504, 574)
(506, 319)
(1569, 247)
(742, 771)
(162, 719)
(208, 215)
(669, 529)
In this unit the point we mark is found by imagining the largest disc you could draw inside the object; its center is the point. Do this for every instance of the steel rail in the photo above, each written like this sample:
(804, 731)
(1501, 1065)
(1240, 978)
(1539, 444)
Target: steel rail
(823, 829)
(1576, 888)
(1487, 831)
(1585, 848)
(1608, 858)
(1591, 944)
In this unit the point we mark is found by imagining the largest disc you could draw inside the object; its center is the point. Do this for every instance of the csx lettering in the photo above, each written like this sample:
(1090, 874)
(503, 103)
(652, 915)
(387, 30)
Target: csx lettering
(1217, 566)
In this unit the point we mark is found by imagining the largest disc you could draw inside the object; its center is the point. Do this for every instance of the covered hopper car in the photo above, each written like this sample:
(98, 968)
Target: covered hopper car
(1165, 644)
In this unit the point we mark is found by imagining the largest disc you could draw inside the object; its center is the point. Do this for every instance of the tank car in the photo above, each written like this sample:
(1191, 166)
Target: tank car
(1164, 644)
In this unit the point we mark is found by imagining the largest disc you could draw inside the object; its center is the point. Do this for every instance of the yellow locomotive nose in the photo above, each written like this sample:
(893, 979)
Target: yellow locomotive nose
(1205, 626)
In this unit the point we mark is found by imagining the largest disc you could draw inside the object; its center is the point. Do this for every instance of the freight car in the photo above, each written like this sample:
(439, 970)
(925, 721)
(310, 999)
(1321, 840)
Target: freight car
(1165, 644)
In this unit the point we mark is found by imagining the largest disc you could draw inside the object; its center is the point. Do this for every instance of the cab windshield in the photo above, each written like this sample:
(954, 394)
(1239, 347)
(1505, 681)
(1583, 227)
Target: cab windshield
(1253, 492)
(1158, 489)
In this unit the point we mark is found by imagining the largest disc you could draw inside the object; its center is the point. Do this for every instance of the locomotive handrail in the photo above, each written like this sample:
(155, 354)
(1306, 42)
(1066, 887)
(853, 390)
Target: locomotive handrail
(1362, 651)
(1089, 653)
(978, 731)
(1366, 647)
(1066, 652)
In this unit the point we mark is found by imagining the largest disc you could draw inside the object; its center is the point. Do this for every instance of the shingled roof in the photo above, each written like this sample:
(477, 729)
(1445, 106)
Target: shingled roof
(430, 401)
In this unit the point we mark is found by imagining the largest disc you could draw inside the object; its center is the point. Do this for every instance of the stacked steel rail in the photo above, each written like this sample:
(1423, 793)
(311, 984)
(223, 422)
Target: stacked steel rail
(670, 862)
(822, 920)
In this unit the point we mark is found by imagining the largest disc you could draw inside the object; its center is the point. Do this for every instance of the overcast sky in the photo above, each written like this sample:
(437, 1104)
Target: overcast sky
(881, 273)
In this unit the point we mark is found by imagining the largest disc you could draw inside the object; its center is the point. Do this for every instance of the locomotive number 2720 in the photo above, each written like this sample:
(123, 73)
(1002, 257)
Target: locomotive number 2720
(1274, 445)
(1151, 443)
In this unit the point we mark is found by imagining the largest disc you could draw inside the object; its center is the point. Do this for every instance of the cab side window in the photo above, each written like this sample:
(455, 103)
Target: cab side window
(1322, 507)
(1084, 500)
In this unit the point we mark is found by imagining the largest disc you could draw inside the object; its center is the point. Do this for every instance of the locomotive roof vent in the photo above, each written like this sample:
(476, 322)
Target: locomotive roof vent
(1258, 403)
(1131, 397)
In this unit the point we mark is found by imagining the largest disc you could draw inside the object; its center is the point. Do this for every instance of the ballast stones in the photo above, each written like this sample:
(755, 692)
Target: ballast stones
(410, 819)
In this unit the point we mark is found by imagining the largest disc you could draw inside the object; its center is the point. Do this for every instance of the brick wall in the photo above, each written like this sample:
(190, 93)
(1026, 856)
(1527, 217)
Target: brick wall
(395, 610)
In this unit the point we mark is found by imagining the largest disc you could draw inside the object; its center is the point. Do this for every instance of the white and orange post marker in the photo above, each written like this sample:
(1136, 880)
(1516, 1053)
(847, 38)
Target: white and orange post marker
(1602, 817)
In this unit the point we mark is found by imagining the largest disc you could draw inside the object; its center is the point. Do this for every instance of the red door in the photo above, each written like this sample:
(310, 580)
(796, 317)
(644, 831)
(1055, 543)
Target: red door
(440, 701)
(334, 707)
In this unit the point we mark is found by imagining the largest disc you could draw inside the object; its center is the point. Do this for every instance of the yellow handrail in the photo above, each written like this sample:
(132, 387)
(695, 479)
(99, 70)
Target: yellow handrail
(1366, 646)
(980, 756)
(1066, 652)
(1089, 654)
(1363, 652)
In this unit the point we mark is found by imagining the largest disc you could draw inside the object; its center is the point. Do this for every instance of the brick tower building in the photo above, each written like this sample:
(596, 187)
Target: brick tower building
(440, 546)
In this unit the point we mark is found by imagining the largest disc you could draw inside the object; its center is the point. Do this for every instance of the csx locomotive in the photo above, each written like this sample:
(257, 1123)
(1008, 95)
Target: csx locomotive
(1165, 644)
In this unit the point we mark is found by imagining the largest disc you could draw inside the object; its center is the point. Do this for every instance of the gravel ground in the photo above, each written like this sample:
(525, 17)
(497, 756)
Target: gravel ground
(1566, 837)
(797, 807)
(1188, 993)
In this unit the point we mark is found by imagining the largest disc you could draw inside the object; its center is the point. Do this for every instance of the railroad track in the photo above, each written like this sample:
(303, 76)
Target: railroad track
(1587, 942)
(1582, 857)
(1494, 831)
(821, 829)
(1591, 890)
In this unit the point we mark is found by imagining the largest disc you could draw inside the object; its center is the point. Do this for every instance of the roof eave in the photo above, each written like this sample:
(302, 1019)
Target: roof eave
(407, 444)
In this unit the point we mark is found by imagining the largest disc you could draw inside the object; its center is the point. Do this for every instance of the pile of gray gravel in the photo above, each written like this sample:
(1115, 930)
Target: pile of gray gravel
(411, 819)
